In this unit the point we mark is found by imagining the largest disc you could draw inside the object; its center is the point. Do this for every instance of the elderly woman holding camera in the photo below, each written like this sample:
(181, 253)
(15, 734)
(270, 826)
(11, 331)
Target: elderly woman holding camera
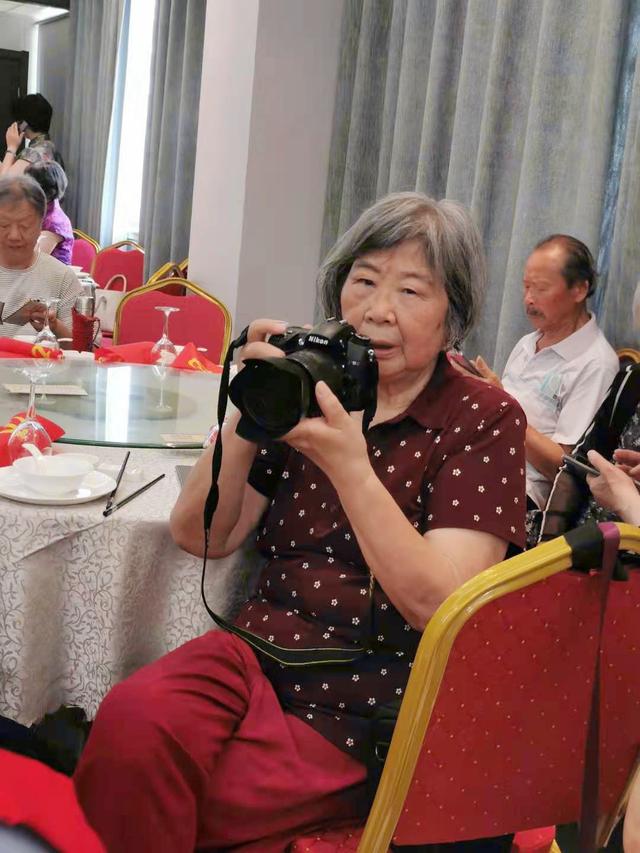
(365, 535)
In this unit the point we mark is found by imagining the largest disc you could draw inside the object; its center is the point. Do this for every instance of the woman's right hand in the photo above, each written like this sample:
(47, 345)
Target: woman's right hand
(257, 345)
(13, 136)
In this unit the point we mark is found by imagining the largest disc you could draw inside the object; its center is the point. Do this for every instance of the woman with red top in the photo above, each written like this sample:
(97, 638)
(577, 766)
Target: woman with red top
(216, 746)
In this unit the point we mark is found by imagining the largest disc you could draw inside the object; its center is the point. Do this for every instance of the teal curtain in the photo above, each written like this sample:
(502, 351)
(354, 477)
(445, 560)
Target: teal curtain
(172, 124)
(95, 32)
(508, 106)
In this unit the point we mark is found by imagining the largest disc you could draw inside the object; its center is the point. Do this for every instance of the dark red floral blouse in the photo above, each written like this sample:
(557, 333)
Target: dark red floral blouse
(455, 458)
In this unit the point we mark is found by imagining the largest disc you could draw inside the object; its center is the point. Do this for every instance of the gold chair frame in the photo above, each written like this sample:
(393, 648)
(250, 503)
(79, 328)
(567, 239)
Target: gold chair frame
(82, 236)
(164, 272)
(189, 286)
(628, 352)
(430, 663)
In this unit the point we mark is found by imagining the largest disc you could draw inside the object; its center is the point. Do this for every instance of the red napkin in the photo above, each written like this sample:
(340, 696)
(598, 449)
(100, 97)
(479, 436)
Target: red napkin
(137, 353)
(53, 430)
(191, 359)
(10, 348)
(33, 795)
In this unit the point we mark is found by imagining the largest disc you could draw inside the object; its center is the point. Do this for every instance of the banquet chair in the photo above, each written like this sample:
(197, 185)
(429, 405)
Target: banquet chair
(84, 250)
(628, 356)
(169, 270)
(121, 265)
(202, 319)
(491, 734)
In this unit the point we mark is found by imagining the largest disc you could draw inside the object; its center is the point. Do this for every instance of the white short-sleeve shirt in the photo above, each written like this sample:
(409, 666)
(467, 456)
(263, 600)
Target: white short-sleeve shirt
(560, 388)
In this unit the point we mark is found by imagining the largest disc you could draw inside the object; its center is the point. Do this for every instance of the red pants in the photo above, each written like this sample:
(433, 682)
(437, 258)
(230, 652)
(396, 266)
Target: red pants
(195, 751)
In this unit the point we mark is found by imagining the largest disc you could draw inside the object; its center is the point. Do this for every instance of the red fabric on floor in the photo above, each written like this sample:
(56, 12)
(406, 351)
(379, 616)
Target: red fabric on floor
(33, 795)
(195, 751)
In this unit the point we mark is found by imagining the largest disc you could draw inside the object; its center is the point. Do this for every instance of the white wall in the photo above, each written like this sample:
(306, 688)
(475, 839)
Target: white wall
(266, 112)
(15, 32)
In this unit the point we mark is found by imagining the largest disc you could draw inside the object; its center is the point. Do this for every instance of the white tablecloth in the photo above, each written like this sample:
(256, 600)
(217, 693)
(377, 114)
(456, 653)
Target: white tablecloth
(84, 600)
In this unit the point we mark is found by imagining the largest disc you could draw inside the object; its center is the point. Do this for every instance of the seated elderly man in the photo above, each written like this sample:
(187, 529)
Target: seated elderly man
(29, 277)
(560, 373)
(229, 743)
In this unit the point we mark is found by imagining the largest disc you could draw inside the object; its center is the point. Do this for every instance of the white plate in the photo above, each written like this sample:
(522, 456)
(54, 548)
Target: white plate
(95, 485)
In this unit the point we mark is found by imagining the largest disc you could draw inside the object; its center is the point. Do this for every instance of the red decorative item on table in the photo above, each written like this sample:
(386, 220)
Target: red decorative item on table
(10, 348)
(191, 359)
(84, 330)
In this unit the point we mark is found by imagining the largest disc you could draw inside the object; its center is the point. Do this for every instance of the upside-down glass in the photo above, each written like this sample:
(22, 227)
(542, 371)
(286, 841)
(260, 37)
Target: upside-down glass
(164, 348)
(45, 336)
(30, 432)
(160, 371)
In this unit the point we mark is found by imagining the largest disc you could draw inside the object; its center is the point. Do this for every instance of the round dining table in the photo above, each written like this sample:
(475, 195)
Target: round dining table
(87, 599)
(126, 405)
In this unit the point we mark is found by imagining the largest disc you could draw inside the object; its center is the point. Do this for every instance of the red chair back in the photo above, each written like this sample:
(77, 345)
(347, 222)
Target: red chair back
(122, 259)
(202, 319)
(84, 250)
(82, 254)
(504, 745)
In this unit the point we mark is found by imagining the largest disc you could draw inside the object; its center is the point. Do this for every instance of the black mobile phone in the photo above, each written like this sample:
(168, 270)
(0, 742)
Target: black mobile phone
(580, 468)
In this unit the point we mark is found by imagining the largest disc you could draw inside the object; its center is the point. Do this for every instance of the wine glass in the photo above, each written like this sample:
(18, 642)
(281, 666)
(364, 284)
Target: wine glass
(30, 432)
(45, 336)
(160, 371)
(164, 348)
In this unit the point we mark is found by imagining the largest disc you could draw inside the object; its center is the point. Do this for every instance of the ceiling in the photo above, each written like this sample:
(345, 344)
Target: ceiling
(33, 11)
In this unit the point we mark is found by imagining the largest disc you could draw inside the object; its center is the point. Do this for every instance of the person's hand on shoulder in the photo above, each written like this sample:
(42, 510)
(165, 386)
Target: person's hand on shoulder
(482, 371)
(13, 137)
(334, 442)
(614, 489)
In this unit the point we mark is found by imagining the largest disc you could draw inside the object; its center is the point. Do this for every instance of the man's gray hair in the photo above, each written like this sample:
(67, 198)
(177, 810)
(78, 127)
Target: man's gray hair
(17, 188)
(452, 248)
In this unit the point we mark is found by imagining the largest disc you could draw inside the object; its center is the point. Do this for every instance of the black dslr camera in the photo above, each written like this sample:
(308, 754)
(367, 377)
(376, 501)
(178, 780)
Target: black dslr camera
(274, 394)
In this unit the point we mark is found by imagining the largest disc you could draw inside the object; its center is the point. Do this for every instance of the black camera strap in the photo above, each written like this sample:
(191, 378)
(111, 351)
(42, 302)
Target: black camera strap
(283, 655)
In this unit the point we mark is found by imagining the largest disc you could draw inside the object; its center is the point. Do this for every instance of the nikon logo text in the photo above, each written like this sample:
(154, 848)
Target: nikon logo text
(314, 339)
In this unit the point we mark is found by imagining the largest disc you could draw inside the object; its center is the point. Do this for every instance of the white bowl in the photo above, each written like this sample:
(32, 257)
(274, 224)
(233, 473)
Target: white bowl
(91, 458)
(53, 475)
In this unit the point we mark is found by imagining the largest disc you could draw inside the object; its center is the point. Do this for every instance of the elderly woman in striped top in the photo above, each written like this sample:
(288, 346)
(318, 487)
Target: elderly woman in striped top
(29, 277)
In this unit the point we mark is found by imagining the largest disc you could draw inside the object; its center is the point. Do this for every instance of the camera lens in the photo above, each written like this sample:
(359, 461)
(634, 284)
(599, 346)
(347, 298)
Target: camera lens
(274, 395)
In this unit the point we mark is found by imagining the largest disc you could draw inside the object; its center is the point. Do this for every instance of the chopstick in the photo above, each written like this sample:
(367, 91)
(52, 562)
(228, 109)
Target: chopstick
(118, 478)
(112, 509)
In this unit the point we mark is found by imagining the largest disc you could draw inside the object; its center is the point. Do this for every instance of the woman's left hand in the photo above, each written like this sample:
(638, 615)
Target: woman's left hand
(334, 442)
(13, 136)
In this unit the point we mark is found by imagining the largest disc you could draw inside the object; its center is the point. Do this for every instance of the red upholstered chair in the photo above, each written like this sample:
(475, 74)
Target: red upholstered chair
(202, 318)
(124, 260)
(491, 734)
(84, 250)
(169, 270)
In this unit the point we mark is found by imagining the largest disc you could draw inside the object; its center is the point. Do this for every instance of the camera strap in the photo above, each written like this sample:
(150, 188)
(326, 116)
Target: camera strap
(283, 655)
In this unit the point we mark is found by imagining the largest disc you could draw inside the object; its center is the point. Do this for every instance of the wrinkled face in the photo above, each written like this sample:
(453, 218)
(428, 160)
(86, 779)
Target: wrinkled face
(548, 300)
(393, 297)
(19, 231)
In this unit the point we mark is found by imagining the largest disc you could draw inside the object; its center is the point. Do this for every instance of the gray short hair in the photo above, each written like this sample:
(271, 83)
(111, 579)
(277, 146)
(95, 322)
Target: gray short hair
(17, 188)
(452, 248)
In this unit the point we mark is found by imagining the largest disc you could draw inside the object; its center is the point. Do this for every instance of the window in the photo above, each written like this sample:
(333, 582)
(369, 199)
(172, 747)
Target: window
(125, 165)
